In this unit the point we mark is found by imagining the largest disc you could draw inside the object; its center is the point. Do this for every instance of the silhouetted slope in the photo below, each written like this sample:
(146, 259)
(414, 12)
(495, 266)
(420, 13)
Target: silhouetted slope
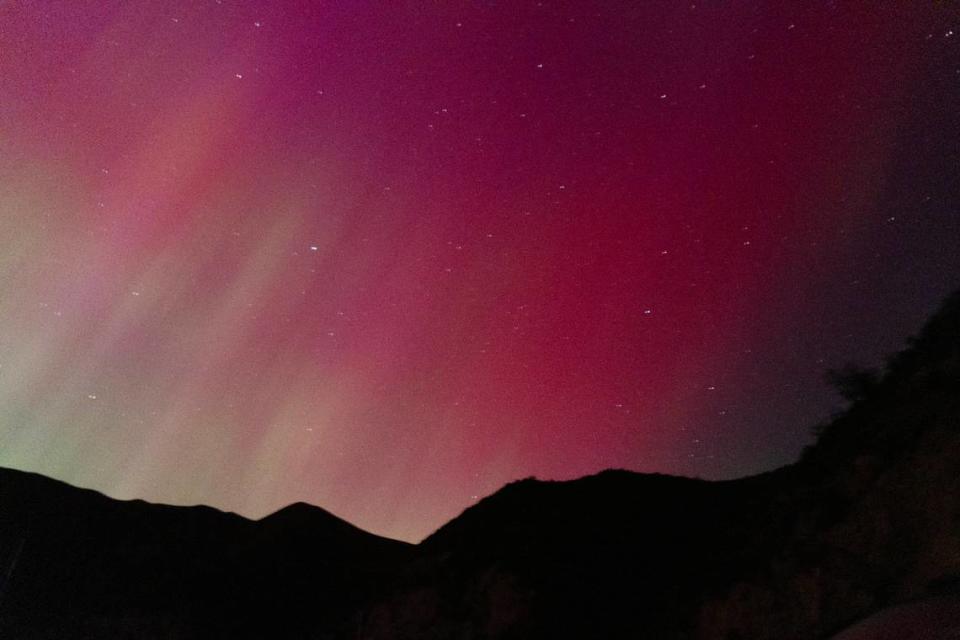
(868, 518)
(878, 499)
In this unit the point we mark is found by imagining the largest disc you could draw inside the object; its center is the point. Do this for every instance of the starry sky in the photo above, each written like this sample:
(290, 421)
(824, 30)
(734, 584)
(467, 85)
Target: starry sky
(386, 257)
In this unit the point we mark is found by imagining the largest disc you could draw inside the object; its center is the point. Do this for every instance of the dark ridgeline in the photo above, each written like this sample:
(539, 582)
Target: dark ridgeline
(75, 564)
(869, 517)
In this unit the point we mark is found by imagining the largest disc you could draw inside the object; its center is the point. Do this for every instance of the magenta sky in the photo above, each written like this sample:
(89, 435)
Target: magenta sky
(386, 260)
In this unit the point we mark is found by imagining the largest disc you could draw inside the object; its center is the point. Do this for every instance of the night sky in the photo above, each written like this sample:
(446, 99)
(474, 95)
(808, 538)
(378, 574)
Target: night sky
(385, 260)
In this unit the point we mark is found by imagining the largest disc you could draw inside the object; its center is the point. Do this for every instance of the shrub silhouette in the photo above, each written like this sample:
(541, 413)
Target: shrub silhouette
(854, 383)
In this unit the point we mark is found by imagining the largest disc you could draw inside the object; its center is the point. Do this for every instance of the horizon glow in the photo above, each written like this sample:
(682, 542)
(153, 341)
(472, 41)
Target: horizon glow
(385, 260)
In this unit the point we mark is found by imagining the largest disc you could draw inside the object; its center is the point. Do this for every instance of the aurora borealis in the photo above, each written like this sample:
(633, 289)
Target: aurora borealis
(385, 260)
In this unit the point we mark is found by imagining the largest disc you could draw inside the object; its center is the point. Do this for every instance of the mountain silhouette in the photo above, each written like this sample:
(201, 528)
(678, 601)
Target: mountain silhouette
(76, 564)
(860, 535)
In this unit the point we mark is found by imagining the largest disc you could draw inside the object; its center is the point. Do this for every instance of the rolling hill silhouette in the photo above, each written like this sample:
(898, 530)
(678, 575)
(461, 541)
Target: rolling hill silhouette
(77, 564)
(868, 518)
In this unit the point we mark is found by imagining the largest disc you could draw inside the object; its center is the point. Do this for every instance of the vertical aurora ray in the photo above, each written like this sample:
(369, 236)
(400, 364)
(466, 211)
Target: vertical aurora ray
(386, 260)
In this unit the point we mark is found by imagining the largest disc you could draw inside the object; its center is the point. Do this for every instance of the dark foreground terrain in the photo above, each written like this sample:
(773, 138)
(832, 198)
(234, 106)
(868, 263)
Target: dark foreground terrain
(867, 520)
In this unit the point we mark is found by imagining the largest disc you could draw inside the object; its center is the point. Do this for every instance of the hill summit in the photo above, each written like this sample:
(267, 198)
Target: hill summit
(867, 519)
